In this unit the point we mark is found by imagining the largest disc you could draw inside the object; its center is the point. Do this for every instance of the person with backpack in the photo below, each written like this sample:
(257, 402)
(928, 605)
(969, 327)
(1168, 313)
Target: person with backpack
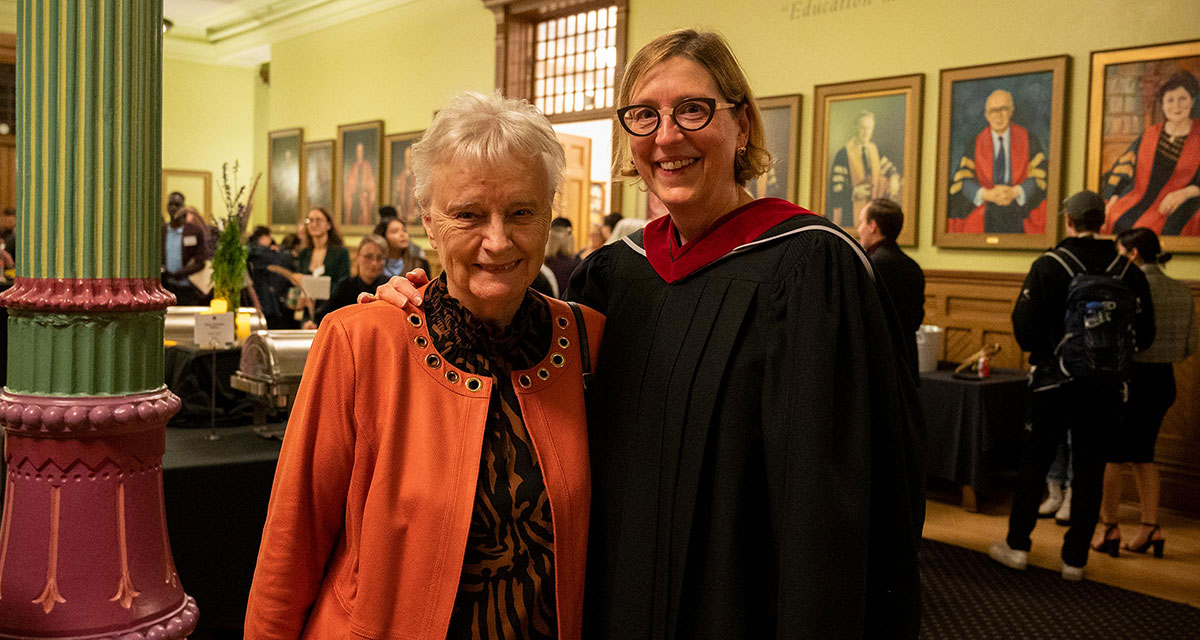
(1151, 394)
(1082, 313)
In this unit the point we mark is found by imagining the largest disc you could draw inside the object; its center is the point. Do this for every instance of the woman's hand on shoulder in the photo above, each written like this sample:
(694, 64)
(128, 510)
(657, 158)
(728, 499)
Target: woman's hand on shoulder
(401, 292)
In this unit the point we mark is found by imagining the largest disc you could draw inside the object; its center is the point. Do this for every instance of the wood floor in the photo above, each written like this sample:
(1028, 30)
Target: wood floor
(1175, 576)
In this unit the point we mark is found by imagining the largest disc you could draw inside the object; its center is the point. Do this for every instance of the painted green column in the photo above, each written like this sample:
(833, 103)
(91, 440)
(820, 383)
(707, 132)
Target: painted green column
(83, 540)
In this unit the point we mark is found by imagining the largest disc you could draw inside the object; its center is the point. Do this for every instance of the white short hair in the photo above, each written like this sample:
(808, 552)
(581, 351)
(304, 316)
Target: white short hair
(490, 130)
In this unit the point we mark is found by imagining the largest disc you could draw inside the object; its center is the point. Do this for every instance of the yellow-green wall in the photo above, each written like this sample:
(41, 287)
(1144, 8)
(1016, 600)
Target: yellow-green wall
(400, 65)
(208, 119)
(880, 38)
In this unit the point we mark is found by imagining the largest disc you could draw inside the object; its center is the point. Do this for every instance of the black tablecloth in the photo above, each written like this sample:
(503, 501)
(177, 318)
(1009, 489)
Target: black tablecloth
(973, 427)
(216, 495)
(189, 372)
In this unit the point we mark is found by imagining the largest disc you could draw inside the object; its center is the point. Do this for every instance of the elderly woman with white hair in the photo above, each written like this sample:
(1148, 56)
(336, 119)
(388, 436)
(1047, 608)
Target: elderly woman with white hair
(434, 479)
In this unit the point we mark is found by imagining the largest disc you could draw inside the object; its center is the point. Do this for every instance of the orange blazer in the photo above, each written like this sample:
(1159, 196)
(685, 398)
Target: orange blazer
(373, 493)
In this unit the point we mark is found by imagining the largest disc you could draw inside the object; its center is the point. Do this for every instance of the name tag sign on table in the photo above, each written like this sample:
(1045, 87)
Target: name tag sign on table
(214, 329)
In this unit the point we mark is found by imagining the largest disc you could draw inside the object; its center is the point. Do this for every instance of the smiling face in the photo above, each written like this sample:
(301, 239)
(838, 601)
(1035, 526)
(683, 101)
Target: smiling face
(999, 110)
(316, 224)
(1177, 104)
(489, 226)
(690, 171)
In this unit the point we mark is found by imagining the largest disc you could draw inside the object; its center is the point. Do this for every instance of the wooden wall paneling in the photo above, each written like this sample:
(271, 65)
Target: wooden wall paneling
(975, 308)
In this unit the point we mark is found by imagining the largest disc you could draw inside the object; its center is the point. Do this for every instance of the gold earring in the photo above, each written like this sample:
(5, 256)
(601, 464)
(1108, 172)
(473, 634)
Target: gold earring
(741, 150)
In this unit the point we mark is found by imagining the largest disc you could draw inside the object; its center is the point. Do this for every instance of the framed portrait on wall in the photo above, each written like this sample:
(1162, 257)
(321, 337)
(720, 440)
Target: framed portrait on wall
(285, 177)
(319, 188)
(867, 145)
(196, 187)
(1143, 140)
(397, 168)
(1000, 143)
(358, 160)
(781, 134)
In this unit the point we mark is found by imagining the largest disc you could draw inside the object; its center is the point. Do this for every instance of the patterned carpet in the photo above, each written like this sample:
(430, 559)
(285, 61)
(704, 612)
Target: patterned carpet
(967, 595)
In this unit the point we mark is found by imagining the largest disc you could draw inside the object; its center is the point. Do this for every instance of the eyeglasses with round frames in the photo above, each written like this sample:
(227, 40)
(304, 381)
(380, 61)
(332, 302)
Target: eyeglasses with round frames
(692, 114)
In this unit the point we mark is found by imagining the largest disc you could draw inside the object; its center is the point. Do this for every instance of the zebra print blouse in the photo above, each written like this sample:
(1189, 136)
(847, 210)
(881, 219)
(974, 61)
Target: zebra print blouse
(507, 585)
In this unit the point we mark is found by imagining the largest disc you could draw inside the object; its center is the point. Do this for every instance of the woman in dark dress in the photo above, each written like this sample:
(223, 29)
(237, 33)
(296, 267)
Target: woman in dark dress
(323, 253)
(1151, 394)
(1155, 184)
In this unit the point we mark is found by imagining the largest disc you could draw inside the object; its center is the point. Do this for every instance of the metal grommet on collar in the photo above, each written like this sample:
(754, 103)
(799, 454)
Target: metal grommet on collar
(433, 360)
(563, 342)
(474, 384)
(557, 360)
(524, 381)
(414, 320)
(543, 374)
(421, 341)
(562, 321)
(452, 376)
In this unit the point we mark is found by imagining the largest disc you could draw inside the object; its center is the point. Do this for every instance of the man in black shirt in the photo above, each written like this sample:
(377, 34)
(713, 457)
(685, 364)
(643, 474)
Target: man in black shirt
(878, 227)
(1088, 407)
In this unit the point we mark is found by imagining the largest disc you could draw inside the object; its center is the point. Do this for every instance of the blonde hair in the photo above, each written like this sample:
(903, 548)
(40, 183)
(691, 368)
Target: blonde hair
(711, 51)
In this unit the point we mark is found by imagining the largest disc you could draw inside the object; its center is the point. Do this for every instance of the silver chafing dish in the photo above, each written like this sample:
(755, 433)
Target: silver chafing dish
(181, 322)
(270, 368)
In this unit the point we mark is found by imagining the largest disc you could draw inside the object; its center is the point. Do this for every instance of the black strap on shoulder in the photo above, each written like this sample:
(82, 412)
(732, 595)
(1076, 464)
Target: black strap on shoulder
(585, 355)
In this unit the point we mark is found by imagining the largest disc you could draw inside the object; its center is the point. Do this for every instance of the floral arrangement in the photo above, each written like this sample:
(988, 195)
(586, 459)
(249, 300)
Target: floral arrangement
(229, 258)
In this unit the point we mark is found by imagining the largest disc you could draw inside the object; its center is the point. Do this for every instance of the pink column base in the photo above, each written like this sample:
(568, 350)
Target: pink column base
(83, 542)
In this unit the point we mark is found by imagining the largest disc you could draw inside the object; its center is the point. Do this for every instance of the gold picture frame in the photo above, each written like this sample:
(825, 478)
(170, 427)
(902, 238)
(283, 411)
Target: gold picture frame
(781, 134)
(1036, 116)
(892, 151)
(398, 180)
(285, 178)
(1124, 103)
(196, 186)
(320, 189)
(358, 178)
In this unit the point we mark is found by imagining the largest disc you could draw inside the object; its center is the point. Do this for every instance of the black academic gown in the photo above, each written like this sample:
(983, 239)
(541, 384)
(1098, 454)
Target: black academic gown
(737, 491)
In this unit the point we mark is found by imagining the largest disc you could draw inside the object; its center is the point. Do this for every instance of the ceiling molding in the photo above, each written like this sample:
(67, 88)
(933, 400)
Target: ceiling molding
(242, 34)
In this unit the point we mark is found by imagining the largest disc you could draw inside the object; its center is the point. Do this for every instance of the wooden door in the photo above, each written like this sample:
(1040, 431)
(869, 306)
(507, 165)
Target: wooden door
(572, 201)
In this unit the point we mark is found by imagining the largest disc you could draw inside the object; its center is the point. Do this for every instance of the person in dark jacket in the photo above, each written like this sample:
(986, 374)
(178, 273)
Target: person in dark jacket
(184, 250)
(270, 287)
(1087, 407)
(372, 252)
(878, 228)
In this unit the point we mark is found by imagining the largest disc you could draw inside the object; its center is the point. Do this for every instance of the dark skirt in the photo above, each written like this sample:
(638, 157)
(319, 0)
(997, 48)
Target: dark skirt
(1151, 393)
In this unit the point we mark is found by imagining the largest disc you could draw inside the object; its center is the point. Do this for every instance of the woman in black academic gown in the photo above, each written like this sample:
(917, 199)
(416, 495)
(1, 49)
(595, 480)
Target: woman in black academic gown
(753, 422)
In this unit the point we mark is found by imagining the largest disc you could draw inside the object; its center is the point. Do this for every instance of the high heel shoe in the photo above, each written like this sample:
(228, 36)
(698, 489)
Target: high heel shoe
(1111, 544)
(1150, 542)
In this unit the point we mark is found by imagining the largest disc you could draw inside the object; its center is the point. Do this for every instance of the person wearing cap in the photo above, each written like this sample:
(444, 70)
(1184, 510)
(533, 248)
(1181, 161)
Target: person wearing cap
(1088, 408)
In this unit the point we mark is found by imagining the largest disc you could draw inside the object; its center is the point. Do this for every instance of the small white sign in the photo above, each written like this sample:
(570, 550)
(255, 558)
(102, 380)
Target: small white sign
(214, 330)
(315, 287)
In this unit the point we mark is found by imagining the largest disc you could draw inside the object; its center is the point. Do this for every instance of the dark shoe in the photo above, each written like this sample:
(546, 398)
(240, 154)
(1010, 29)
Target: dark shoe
(1158, 543)
(1111, 543)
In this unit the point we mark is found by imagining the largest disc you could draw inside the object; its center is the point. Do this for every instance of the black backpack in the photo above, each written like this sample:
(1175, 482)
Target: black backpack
(1099, 334)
